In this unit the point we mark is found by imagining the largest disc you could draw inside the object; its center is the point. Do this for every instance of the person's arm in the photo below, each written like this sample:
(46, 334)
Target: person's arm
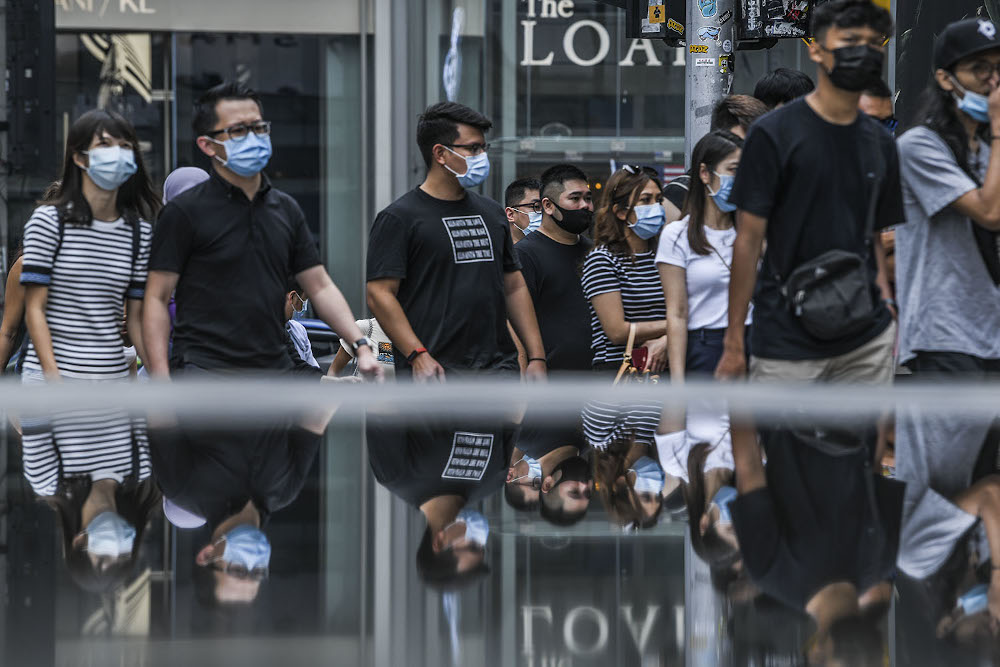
(133, 322)
(611, 315)
(674, 280)
(160, 285)
(672, 212)
(522, 356)
(339, 362)
(36, 298)
(521, 312)
(13, 312)
(882, 276)
(982, 499)
(983, 204)
(332, 308)
(385, 306)
(750, 232)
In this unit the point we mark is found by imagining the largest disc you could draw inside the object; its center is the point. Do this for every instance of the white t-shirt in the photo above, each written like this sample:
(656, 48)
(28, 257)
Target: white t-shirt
(707, 275)
(706, 422)
(381, 345)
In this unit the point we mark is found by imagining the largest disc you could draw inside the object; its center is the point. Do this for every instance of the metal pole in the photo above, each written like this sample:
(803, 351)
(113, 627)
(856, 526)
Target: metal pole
(710, 62)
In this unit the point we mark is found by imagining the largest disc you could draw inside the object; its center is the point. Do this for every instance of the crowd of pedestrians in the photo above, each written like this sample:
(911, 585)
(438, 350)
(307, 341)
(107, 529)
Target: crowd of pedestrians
(805, 243)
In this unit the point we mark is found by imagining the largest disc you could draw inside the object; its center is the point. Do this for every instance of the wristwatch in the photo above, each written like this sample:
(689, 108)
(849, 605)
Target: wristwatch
(359, 342)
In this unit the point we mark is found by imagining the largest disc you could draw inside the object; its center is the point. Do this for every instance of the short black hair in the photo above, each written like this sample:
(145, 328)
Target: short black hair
(782, 86)
(440, 571)
(555, 177)
(205, 117)
(735, 110)
(438, 124)
(879, 89)
(516, 497)
(516, 190)
(850, 14)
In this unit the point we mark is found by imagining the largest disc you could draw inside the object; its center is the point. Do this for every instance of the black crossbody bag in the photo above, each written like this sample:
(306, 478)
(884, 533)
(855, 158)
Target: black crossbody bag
(831, 295)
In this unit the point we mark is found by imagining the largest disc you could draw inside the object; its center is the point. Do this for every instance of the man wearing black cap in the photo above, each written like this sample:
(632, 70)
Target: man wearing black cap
(817, 176)
(947, 261)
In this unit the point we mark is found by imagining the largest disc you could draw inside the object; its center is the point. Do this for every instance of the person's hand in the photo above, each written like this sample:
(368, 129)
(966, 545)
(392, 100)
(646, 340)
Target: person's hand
(994, 107)
(426, 369)
(536, 371)
(732, 365)
(368, 365)
(656, 359)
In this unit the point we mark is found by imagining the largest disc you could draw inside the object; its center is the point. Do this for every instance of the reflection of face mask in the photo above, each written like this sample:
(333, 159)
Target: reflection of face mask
(723, 497)
(247, 157)
(477, 168)
(575, 221)
(110, 166)
(649, 476)
(973, 105)
(247, 546)
(856, 67)
(534, 468)
(721, 197)
(477, 528)
(974, 600)
(649, 220)
(110, 535)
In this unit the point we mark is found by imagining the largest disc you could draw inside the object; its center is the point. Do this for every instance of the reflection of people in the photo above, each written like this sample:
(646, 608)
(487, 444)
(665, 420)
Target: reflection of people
(443, 469)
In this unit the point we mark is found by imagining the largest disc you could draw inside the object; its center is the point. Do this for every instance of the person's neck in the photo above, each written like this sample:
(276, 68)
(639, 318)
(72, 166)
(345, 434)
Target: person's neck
(100, 499)
(552, 230)
(440, 511)
(246, 516)
(515, 233)
(442, 184)
(103, 203)
(249, 185)
(636, 244)
(555, 457)
(832, 104)
(971, 126)
(832, 602)
(714, 218)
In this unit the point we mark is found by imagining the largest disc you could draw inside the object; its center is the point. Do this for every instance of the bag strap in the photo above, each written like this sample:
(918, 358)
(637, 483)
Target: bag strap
(627, 357)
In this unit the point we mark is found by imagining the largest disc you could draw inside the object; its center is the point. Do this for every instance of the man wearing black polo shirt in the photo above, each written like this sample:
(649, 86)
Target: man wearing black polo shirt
(442, 276)
(227, 247)
(805, 183)
(551, 261)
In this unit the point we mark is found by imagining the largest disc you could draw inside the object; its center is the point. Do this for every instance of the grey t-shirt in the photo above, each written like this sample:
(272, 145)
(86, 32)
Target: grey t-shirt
(947, 300)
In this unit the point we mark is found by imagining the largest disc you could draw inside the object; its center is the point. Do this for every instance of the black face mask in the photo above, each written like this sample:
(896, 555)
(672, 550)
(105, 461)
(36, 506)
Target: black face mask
(574, 222)
(856, 67)
(574, 469)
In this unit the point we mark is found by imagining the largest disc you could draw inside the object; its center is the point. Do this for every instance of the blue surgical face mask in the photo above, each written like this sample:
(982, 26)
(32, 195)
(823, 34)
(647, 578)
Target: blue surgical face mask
(247, 546)
(649, 220)
(300, 314)
(974, 600)
(246, 157)
(534, 468)
(723, 497)
(649, 476)
(973, 105)
(477, 169)
(110, 166)
(725, 190)
(477, 528)
(534, 222)
(110, 535)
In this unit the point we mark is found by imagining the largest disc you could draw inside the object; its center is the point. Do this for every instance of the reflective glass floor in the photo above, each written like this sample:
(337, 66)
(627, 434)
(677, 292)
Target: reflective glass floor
(459, 541)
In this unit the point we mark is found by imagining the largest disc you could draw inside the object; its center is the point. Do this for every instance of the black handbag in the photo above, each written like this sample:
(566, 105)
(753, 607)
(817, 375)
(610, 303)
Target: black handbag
(831, 295)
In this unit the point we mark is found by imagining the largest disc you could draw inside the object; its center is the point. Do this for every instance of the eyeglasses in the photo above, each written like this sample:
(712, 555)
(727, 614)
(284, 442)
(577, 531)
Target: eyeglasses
(983, 70)
(475, 149)
(241, 131)
(535, 206)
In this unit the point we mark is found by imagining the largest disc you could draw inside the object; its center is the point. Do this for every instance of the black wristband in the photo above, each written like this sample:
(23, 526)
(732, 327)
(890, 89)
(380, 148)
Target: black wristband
(541, 359)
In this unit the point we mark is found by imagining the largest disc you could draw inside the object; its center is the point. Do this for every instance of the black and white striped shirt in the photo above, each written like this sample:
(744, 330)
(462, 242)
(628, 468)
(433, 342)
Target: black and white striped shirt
(638, 281)
(607, 422)
(88, 280)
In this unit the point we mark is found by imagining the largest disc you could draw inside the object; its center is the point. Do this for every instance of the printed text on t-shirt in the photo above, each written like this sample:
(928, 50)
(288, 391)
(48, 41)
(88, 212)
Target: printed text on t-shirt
(470, 452)
(470, 240)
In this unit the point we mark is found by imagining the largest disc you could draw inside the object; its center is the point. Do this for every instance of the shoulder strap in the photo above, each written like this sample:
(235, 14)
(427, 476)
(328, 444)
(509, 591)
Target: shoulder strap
(876, 178)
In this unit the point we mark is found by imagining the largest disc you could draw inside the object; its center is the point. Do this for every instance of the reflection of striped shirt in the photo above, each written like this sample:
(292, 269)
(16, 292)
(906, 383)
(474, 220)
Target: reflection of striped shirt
(638, 281)
(88, 280)
(605, 422)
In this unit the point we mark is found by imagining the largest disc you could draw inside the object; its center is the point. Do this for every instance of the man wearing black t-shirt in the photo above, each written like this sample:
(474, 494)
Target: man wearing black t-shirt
(227, 247)
(442, 276)
(550, 261)
(804, 185)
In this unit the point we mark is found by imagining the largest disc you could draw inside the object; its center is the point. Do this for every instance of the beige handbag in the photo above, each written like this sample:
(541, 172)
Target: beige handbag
(629, 372)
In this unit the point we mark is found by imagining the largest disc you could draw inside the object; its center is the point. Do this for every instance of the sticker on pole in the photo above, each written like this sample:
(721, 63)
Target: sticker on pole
(709, 33)
(727, 64)
(726, 15)
(704, 62)
(675, 26)
(708, 8)
(698, 48)
(657, 14)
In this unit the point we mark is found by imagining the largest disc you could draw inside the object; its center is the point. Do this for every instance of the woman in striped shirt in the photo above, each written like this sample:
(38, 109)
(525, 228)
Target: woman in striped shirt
(620, 279)
(86, 248)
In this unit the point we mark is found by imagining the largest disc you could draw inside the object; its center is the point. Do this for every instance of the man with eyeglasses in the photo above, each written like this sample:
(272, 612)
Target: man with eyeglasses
(442, 276)
(226, 247)
(523, 207)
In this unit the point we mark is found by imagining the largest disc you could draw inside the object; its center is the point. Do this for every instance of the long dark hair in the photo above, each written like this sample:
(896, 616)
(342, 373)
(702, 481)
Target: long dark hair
(939, 113)
(136, 503)
(713, 148)
(710, 547)
(136, 198)
(620, 502)
(621, 190)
